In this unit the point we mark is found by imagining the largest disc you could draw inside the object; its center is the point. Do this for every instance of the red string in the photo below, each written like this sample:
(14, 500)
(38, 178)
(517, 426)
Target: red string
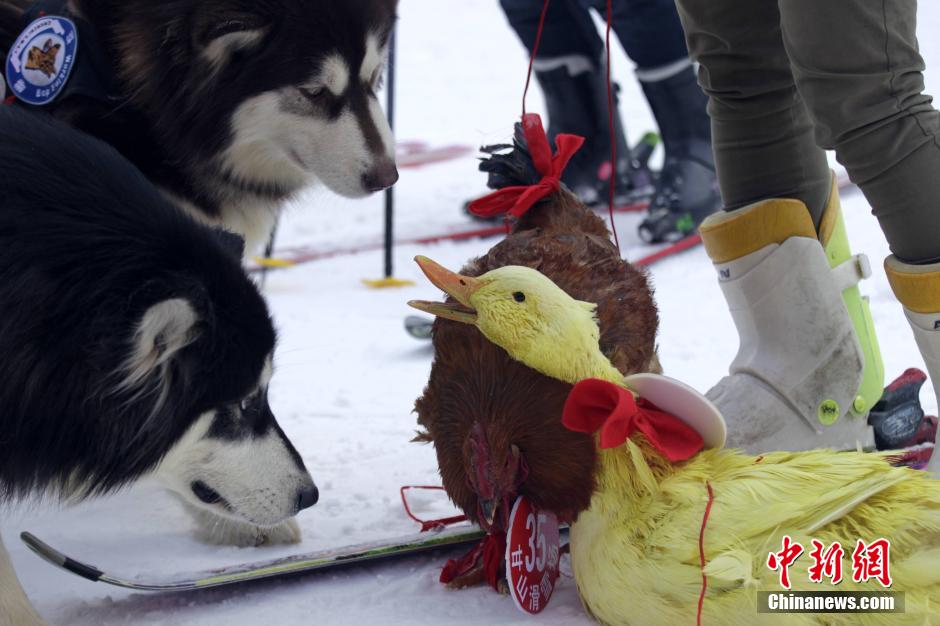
(535, 50)
(610, 107)
(701, 551)
(427, 525)
(610, 119)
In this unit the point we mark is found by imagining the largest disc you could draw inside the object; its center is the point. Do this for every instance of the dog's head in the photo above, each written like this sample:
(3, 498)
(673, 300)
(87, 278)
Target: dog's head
(236, 462)
(200, 358)
(276, 94)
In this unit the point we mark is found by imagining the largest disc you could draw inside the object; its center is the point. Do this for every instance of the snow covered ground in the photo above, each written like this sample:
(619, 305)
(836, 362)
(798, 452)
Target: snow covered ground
(348, 375)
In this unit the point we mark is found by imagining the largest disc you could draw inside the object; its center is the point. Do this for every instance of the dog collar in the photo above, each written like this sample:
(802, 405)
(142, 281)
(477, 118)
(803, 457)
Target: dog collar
(58, 56)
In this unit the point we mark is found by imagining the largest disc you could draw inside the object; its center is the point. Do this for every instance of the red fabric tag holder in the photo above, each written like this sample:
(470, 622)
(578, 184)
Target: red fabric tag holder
(517, 200)
(596, 404)
(490, 550)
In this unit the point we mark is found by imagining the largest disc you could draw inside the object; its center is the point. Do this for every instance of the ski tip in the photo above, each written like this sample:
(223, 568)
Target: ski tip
(43, 549)
(53, 556)
(419, 327)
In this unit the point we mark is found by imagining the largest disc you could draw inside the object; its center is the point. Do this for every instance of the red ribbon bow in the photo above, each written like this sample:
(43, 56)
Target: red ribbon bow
(517, 200)
(599, 405)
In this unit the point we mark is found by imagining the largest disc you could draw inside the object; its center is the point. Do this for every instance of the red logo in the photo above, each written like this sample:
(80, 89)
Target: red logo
(871, 561)
(826, 563)
(784, 559)
(532, 556)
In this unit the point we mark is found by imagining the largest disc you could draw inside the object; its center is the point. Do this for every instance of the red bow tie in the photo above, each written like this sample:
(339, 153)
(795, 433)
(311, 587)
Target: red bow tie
(599, 405)
(517, 200)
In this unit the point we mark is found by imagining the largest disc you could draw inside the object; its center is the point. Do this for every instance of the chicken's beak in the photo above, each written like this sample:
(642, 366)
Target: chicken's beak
(460, 288)
(488, 509)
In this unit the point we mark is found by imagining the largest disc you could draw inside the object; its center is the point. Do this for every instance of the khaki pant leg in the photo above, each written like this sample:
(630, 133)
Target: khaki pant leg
(858, 69)
(762, 133)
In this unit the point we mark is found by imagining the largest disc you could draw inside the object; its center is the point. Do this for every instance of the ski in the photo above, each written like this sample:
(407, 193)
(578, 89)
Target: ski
(413, 154)
(419, 327)
(668, 250)
(299, 564)
(300, 255)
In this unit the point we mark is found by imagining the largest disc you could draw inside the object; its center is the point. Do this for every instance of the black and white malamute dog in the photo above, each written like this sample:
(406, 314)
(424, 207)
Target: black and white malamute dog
(230, 106)
(132, 343)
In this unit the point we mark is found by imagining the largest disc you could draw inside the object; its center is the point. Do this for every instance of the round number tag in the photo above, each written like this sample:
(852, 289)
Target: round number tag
(532, 556)
(41, 60)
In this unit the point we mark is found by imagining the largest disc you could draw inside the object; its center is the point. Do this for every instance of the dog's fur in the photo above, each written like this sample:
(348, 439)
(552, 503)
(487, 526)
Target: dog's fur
(232, 106)
(133, 343)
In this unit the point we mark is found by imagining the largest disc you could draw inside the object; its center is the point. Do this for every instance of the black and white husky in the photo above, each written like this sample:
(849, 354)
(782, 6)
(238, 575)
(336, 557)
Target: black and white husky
(132, 344)
(231, 106)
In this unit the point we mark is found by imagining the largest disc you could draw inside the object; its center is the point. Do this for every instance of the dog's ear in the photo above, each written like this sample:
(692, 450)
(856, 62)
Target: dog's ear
(220, 36)
(162, 332)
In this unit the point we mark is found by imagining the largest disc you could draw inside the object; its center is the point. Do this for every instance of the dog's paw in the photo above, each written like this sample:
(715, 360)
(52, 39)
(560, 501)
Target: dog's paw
(286, 532)
(217, 530)
(231, 533)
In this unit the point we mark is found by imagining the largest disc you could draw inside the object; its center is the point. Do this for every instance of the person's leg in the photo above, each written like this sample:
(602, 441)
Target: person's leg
(569, 70)
(652, 37)
(648, 30)
(917, 288)
(808, 368)
(857, 66)
(863, 82)
(568, 32)
(761, 132)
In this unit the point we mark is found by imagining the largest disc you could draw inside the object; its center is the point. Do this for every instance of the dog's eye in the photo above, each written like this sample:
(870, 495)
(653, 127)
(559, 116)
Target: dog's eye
(316, 95)
(227, 27)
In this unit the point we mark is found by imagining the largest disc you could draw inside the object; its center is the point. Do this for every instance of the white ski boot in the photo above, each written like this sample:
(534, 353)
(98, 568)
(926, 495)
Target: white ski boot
(808, 368)
(917, 288)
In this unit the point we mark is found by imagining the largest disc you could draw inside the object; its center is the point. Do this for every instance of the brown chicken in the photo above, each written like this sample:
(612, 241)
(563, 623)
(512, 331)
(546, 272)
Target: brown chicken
(493, 420)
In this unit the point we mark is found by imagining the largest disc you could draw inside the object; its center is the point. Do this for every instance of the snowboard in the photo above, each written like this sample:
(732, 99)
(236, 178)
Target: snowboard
(455, 536)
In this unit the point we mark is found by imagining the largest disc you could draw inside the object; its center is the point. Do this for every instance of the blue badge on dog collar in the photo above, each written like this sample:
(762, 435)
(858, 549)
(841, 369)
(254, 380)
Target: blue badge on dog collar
(41, 60)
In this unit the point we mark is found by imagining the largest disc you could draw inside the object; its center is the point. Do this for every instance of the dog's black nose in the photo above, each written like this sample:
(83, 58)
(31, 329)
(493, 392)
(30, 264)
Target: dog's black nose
(308, 497)
(380, 177)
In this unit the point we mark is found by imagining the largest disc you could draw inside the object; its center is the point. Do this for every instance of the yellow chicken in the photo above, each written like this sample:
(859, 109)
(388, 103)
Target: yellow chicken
(636, 550)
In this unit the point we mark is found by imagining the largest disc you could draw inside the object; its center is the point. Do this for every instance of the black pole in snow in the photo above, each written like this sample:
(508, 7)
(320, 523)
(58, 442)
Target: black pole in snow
(390, 192)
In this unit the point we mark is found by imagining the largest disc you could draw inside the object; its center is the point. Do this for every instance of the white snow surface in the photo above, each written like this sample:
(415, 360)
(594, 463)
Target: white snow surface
(347, 374)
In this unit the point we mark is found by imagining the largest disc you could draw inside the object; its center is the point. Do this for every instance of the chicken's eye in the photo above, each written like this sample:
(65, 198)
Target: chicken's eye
(519, 296)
